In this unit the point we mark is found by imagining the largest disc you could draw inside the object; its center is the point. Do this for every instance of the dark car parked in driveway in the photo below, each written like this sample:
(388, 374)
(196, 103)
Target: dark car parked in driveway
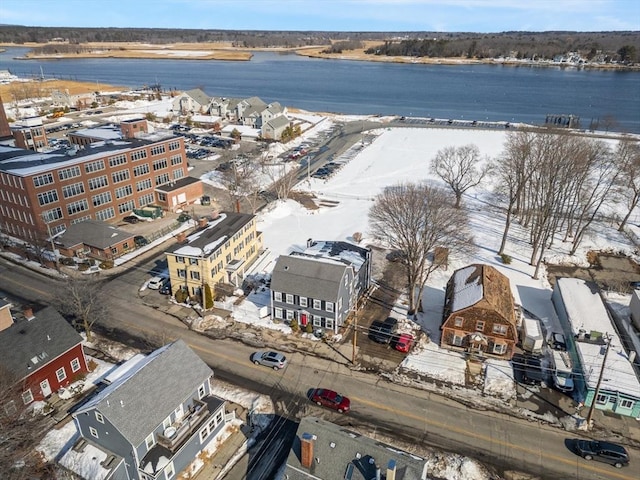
(528, 369)
(383, 332)
(606, 452)
(131, 219)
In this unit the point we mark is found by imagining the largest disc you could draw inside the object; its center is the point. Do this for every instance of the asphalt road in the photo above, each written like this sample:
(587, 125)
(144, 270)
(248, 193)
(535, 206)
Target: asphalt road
(415, 416)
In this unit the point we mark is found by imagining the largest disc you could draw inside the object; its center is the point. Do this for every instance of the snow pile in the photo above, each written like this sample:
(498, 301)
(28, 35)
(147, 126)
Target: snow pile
(498, 379)
(455, 467)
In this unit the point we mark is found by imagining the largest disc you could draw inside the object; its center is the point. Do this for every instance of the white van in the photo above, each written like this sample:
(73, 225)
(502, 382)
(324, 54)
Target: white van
(562, 371)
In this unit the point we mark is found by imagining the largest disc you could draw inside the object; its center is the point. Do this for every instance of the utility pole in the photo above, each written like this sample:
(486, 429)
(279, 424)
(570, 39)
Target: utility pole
(607, 339)
(355, 334)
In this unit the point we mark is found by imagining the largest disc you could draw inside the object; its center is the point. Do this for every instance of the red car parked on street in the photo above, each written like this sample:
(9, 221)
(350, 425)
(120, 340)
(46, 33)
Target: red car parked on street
(404, 343)
(330, 399)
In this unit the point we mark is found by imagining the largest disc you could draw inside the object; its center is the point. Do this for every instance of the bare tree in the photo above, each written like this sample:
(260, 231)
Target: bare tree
(513, 171)
(628, 156)
(84, 301)
(415, 219)
(459, 168)
(242, 180)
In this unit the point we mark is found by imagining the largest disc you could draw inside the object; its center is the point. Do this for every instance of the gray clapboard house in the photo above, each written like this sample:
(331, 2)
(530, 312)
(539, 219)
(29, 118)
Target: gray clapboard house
(154, 417)
(320, 285)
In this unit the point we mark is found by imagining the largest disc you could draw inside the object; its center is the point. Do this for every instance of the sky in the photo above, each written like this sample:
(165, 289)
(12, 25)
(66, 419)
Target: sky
(330, 15)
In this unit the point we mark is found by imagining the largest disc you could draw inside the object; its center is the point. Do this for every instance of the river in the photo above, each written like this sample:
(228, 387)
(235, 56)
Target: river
(465, 92)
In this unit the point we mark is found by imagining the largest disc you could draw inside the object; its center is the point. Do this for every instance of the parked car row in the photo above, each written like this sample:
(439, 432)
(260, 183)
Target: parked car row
(327, 170)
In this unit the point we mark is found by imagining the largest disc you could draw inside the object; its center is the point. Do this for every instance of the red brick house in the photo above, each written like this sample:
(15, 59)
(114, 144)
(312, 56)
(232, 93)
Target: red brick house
(43, 352)
(479, 313)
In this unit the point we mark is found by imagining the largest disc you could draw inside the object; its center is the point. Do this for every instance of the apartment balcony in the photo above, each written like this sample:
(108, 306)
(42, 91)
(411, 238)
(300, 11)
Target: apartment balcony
(175, 435)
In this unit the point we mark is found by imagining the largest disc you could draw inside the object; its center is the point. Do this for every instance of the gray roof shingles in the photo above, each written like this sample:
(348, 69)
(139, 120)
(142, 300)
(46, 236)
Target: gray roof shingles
(310, 277)
(332, 462)
(93, 233)
(142, 398)
(46, 336)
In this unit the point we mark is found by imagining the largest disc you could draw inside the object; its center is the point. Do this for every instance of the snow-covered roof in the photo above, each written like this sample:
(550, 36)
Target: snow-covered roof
(586, 312)
(104, 132)
(343, 252)
(467, 290)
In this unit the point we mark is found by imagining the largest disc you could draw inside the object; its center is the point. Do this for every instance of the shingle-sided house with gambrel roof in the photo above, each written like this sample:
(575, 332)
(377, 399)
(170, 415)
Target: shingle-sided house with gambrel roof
(320, 285)
(155, 418)
(42, 351)
(479, 313)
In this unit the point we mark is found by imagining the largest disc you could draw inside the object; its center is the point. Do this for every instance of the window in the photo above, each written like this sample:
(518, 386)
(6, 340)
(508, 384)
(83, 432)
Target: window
(317, 321)
(70, 172)
(122, 192)
(179, 259)
(73, 190)
(160, 164)
(157, 150)
(94, 432)
(194, 275)
(625, 403)
(602, 399)
(176, 159)
(201, 391)
(193, 261)
(145, 200)
(162, 179)
(77, 207)
(458, 321)
(117, 160)
(101, 199)
(120, 176)
(500, 329)
(52, 215)
(289, 299)
(61, 374)
(142, 169)
(138, 155)
(94, 166)
(166, 423)
(105, 214)
(457, 341)
(303, 301)
(27, 397)
(499, 348)
(277, 296)
(317, 304)
(41, 180)
(80, 219)
(479, 326)
(177, 174)
(150, 441)
(329, 323)
(126, 206)
(174, 145)
(182, 273)
(278, 313)
(329, 306)
(45, 198)
(99, 417)
(289, 314)
(75, 365)
(98, 182)
(204, 433)
(179, 412)
(169, 471)
(143, 185)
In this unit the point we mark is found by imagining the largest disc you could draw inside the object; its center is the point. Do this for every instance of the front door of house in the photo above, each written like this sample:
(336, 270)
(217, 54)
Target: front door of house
(45, 387)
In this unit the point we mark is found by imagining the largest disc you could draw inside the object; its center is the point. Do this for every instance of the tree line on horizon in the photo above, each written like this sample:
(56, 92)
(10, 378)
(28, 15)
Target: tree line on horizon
(615, 46)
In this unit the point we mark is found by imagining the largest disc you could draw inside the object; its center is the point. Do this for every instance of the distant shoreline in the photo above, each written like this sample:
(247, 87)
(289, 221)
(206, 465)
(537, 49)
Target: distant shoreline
(226, 52)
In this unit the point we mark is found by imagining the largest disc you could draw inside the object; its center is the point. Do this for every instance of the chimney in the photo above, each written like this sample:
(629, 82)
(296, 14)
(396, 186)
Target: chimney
(28, 313)
(309, 242)
(181, 237)
(306, 449)
(391, 470)
(202, 222)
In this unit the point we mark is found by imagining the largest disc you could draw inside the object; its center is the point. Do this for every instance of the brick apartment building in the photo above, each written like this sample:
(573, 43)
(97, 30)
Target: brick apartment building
(43, 193)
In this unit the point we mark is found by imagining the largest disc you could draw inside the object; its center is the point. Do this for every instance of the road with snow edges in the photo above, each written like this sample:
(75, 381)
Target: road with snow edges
(413, 416)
